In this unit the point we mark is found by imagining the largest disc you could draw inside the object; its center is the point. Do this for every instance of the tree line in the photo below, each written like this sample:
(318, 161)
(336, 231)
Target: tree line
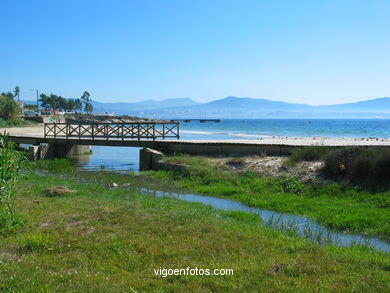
(9, 107)
(54, 102)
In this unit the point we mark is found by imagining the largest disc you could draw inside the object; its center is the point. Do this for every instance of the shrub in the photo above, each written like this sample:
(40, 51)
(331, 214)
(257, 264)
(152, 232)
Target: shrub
(9, 108)
(309, 153)
(367, 167)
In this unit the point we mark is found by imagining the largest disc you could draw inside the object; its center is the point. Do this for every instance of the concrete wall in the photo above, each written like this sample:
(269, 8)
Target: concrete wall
(51, 151)
(151, 160)
(215, 149)
(148, 159)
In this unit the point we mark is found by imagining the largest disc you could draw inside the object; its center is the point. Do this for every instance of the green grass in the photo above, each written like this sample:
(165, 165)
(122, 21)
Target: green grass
(359, 166)
(16, 122)
(111, 240)
(333, 205)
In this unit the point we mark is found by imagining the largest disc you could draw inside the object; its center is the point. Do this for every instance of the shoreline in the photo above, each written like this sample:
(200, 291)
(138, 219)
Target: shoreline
(37, 132)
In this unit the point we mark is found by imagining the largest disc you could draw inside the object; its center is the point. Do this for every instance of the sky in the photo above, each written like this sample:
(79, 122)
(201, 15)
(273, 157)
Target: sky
(314, 52)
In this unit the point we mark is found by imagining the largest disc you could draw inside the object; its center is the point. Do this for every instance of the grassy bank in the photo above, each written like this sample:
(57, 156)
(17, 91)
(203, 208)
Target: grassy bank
(111, 240)
(333, 205)
(359, 166)
(16, 122)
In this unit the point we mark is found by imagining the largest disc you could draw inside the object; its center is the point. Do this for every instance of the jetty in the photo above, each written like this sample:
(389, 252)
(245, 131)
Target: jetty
(202, 120)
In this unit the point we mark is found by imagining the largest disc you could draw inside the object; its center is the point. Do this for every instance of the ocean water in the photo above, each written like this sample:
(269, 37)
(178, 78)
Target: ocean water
(263, 128)
(124, 159)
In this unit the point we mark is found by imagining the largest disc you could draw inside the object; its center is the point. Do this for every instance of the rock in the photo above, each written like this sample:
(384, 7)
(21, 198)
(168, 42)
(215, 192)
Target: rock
(58, 190)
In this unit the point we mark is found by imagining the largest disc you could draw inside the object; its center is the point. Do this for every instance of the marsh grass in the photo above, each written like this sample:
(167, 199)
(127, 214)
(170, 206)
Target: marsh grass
(335, 206)
(110, 240)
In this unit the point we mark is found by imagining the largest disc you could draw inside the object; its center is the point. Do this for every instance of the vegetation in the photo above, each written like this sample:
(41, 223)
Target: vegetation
(54, 102)
(111, 240)
(17, 92)
(10, 167)
(16, 122)
(364, 167)
(9, 108)
(333, 205)
(87, 101)
(359, 166)
(309, 153)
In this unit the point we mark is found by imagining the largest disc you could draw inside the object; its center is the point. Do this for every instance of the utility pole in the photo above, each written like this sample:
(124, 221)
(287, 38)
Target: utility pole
(37, 101)
(37, 98)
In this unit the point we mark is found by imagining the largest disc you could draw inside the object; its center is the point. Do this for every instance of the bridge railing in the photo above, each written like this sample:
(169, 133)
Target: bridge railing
(121, 131)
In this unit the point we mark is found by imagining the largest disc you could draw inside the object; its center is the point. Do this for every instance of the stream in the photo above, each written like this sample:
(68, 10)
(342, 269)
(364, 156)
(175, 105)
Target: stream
(104, 159)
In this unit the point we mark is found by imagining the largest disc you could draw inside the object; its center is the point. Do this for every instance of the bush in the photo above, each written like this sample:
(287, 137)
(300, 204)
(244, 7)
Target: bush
(360, 166)
(309, 153)
(9, 108)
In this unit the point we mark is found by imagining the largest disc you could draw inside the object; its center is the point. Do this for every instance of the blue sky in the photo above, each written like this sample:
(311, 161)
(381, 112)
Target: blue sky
(315, 52)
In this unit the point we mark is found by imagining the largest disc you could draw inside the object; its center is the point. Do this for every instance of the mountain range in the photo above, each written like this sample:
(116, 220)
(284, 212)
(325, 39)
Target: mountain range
(235, 107)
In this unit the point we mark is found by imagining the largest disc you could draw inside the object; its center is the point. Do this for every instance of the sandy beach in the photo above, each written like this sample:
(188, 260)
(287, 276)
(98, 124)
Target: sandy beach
(37, 131)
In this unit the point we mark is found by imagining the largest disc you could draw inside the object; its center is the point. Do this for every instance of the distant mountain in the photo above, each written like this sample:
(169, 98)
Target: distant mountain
(234, 107)
(379, 105)
(125, 108)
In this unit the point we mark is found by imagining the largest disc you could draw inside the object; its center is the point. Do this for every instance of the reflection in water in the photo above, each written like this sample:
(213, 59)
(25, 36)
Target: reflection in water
(302, 226)
(124, 159)
(119, 159)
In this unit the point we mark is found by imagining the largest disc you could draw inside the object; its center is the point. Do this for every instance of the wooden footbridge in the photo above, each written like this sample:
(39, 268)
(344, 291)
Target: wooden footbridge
(113, 131)
(62, 139)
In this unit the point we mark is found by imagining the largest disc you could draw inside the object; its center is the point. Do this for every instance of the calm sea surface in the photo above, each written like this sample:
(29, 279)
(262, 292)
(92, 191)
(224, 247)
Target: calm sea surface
(125, 159)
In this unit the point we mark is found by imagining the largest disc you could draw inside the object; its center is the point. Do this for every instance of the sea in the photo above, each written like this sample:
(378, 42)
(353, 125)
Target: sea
(124, 159)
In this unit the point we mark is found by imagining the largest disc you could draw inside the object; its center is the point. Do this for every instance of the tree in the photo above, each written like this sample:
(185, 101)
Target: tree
(78, 105)
(62, 103)
(9, 108)
(54, 102)
(17, 92)
(88, 108)
(71, 105)
(7, 94)
(45, 101)
(86, 99)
